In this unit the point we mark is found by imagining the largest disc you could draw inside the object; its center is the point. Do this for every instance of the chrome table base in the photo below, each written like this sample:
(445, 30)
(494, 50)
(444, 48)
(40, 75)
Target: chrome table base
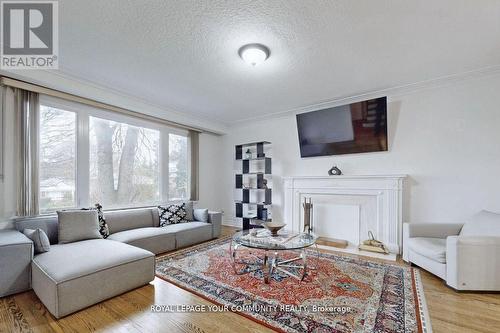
(270, 263)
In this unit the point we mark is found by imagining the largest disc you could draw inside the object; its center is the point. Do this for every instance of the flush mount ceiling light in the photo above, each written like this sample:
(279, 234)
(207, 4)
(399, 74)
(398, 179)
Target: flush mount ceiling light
(254, 54)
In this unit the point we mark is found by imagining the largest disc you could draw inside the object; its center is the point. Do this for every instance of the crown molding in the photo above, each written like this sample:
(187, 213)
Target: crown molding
(391, 92)
(56, 80)
(170, 108)
(59, 80)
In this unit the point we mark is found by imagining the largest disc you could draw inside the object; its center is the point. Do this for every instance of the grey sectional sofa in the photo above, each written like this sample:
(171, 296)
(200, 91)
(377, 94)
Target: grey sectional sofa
(76, 275)
(139, 227)
(16, 252)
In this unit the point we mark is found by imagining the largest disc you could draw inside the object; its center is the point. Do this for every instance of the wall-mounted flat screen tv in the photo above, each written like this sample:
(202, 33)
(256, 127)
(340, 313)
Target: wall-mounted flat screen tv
(353, 128)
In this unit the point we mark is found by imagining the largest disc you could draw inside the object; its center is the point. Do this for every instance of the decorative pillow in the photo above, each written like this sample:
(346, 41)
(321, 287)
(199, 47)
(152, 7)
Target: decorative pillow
(172, 214)
(77, 225)
(201, 214)
(188, 206)
(39, 238)
(484, 223)
(103, 226)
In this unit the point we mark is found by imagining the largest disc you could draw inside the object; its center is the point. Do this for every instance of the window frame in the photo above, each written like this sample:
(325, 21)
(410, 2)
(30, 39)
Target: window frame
(83, 114)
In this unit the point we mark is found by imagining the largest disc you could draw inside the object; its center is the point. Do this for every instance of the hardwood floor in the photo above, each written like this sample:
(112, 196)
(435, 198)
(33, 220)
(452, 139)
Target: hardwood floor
(452, 311)
(131, 312)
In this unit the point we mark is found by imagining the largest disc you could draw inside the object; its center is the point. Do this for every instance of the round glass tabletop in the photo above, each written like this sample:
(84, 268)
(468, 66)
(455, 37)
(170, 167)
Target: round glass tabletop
(285, 240)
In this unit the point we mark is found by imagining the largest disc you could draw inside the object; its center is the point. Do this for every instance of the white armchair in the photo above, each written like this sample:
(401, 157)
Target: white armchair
(466, 256)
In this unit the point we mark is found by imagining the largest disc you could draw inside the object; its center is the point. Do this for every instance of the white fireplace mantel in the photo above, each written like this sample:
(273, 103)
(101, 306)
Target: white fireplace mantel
(377, 197)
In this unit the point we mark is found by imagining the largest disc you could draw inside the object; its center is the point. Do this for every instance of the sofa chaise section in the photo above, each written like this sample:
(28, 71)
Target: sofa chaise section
(73, 276)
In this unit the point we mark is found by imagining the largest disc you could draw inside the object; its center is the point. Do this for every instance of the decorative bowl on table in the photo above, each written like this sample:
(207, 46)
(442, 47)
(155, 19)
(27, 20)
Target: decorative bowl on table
(274, 227)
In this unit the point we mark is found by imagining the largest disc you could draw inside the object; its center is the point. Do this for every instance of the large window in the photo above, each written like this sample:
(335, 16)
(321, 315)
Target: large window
(57, 159)
(178, 181)
(90, 156)
(123, 164)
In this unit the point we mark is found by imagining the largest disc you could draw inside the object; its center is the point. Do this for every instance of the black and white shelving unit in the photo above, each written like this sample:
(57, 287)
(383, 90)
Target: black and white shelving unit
(253, 184)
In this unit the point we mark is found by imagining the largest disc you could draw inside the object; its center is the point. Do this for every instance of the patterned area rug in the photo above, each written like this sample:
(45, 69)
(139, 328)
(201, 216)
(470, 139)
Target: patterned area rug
(339, 293)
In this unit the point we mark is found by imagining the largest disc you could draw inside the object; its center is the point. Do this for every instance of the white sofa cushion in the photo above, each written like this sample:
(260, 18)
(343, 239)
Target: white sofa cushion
(432, 248)
(484, 223)
(201, 215)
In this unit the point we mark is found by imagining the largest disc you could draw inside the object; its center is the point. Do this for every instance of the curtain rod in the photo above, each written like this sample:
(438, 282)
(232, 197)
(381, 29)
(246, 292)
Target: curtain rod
(7, 81)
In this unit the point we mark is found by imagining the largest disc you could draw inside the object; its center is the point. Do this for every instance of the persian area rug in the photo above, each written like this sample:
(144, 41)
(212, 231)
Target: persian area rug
(339, 293)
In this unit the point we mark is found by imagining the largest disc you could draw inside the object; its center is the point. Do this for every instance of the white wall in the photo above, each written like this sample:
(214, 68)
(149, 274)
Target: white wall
(210, 174)
(447, 139)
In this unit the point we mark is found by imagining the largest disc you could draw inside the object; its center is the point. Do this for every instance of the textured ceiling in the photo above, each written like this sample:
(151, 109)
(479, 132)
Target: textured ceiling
(182, 54)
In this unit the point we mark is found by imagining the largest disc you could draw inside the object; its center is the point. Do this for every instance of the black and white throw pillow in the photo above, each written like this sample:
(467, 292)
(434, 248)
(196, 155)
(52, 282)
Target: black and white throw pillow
(172, 214)
(103, 226)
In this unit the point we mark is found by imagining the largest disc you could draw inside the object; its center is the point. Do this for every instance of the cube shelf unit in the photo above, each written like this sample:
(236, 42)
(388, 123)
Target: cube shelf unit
(250, 183)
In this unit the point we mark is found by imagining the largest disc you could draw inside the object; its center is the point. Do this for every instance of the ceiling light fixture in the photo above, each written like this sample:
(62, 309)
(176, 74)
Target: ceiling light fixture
(254, 54)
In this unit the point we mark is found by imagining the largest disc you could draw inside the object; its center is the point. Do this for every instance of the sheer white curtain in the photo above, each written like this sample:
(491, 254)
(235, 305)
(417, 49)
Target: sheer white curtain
(8, 183)
(24, 105)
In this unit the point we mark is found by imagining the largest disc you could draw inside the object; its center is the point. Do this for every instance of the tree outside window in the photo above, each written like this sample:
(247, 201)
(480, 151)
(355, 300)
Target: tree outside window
(124, 170)
(178, 167)
(120, 164)
(57, 155)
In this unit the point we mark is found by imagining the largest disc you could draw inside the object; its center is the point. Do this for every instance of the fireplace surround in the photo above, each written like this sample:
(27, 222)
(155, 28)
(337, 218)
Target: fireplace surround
(347, 207)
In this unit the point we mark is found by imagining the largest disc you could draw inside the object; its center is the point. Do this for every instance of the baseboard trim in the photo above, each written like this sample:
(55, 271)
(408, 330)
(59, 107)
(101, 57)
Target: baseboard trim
(230, 223)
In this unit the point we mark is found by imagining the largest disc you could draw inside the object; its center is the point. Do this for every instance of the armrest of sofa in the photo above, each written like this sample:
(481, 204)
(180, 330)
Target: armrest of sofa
(434, 230)
(473, 262)
(215, 218)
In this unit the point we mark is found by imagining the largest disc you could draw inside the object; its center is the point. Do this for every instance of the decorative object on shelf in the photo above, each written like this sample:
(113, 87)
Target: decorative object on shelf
(248, 154)
(373, 245)
(264, 214)
(251, 214)
(274, 227)
(334, 171)
(308, 210)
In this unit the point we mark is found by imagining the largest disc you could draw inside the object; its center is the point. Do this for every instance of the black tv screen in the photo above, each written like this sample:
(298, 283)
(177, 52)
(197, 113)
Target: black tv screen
(353, 128)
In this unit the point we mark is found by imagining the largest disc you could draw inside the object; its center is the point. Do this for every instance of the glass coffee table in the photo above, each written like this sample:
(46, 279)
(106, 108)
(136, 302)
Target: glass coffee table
(268, 256)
